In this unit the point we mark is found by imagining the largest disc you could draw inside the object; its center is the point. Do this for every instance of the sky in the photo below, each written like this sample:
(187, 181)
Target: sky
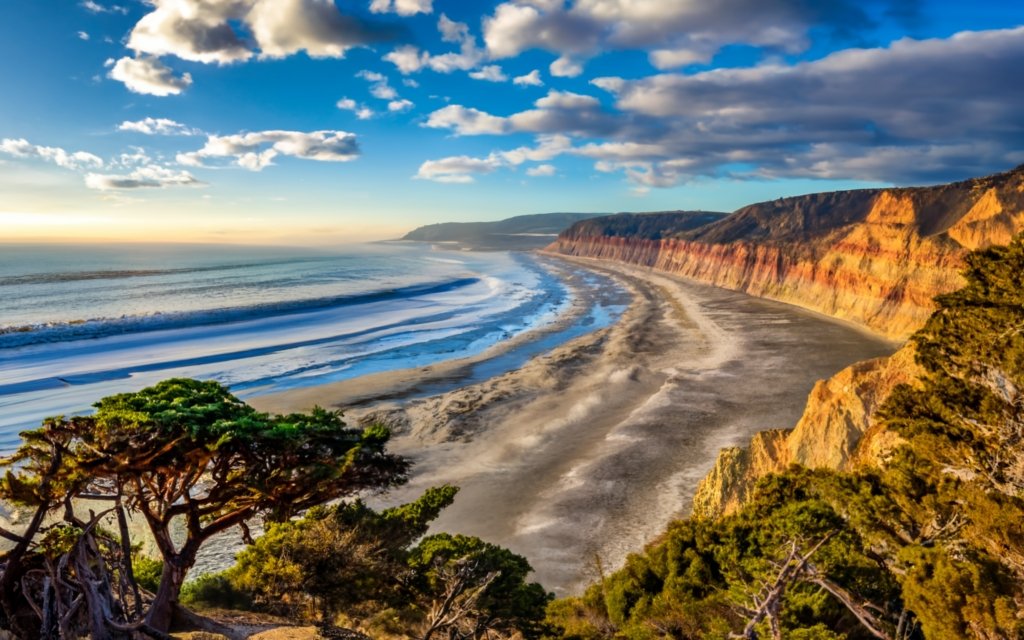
(323, 122)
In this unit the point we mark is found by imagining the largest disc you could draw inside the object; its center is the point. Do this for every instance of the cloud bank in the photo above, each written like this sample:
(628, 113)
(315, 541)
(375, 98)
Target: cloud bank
(674, 34)
(256, 150)
(21, 148)
(157, 127)
(231, 31)
(917, 110)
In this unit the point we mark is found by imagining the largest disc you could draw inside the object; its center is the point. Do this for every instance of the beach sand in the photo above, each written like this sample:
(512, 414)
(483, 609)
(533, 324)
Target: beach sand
(585, 453)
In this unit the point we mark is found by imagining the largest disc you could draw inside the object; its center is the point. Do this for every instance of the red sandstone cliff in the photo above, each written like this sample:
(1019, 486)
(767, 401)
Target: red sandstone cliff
(874, 257)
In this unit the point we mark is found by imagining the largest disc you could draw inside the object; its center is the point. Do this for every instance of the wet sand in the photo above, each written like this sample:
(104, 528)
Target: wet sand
(588, 451)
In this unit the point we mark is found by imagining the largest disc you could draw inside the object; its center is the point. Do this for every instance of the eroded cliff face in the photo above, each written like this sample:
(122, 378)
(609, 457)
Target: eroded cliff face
(838, 430)
(874, 257)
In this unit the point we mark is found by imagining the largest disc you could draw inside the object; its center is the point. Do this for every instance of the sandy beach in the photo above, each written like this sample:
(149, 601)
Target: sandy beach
(586, 452)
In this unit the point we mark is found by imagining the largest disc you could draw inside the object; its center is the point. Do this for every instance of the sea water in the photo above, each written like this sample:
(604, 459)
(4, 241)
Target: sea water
(78, 323)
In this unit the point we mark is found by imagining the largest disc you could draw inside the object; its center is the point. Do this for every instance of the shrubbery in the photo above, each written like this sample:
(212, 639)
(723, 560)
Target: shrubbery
(351, 560)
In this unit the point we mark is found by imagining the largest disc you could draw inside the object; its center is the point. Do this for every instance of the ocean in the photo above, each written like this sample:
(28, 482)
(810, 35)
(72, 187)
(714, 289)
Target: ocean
(78, 323)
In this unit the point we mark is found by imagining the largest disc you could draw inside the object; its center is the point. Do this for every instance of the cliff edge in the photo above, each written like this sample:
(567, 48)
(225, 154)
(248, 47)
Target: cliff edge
(838, 430)
(873, 257)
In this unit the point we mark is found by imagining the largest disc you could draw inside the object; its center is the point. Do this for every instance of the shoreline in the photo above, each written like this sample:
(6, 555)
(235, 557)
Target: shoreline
(588, 450)
(440, 377)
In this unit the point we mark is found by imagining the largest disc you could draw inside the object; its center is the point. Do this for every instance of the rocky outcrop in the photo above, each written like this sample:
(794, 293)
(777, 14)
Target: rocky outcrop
(838, 430)
(874, 257)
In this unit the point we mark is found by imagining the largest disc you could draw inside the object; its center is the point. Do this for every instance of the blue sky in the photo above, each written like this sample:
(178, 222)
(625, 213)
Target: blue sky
(319, 122)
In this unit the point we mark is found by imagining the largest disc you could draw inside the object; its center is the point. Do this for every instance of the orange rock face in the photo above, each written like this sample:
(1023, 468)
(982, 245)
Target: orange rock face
(838, 430)
(876, 258)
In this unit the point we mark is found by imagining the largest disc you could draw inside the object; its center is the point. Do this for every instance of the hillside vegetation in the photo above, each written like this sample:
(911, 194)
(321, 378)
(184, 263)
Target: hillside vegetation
(516, 233)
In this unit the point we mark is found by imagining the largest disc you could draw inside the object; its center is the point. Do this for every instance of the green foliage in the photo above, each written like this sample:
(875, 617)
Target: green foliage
(337, 557)
(182, 451)
(59, 540)
(961, 474)
(817, 632)
(697, 580)
(958, 597)
(147, 572)
(507, 603)
(214, 591)
(646, 226)
(353, 560)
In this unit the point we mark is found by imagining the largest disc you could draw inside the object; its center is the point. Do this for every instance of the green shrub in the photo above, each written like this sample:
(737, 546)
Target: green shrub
(214, 591)
(147, 572)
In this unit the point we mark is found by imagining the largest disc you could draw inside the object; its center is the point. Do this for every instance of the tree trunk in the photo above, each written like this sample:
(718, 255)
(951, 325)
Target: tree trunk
(161, 612)
(126, 552)
(23, 621)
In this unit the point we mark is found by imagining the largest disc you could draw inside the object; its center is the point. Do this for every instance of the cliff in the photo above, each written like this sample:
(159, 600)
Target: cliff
(838, 430)
(874, 257)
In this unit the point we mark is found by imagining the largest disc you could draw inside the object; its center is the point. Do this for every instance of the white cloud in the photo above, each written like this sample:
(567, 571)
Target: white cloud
(557, 112)
(461, 169)
(674, 58)
(82, 35)
(531, 79)
(228, 31)
(622, 152)
(914, 111)
(383, 92)
(543, 170)
(400, 105)
(917, 109)
(137, 157)
(147, 177)
(566, 67)
(490, 73)
(257, 160)
(144, 172)
(466, 121)
(674, 33)
(409, 82)
(548, 147)
(95, 7)
(256, 150)
(158, 126)
(379, 88)
(402, 7)
(362, 111)
(286, 27)
(409, 59)
(148, 76)
(452, 31)
(456, 169)
(192, 30)
(567, 100)
(21, 148)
